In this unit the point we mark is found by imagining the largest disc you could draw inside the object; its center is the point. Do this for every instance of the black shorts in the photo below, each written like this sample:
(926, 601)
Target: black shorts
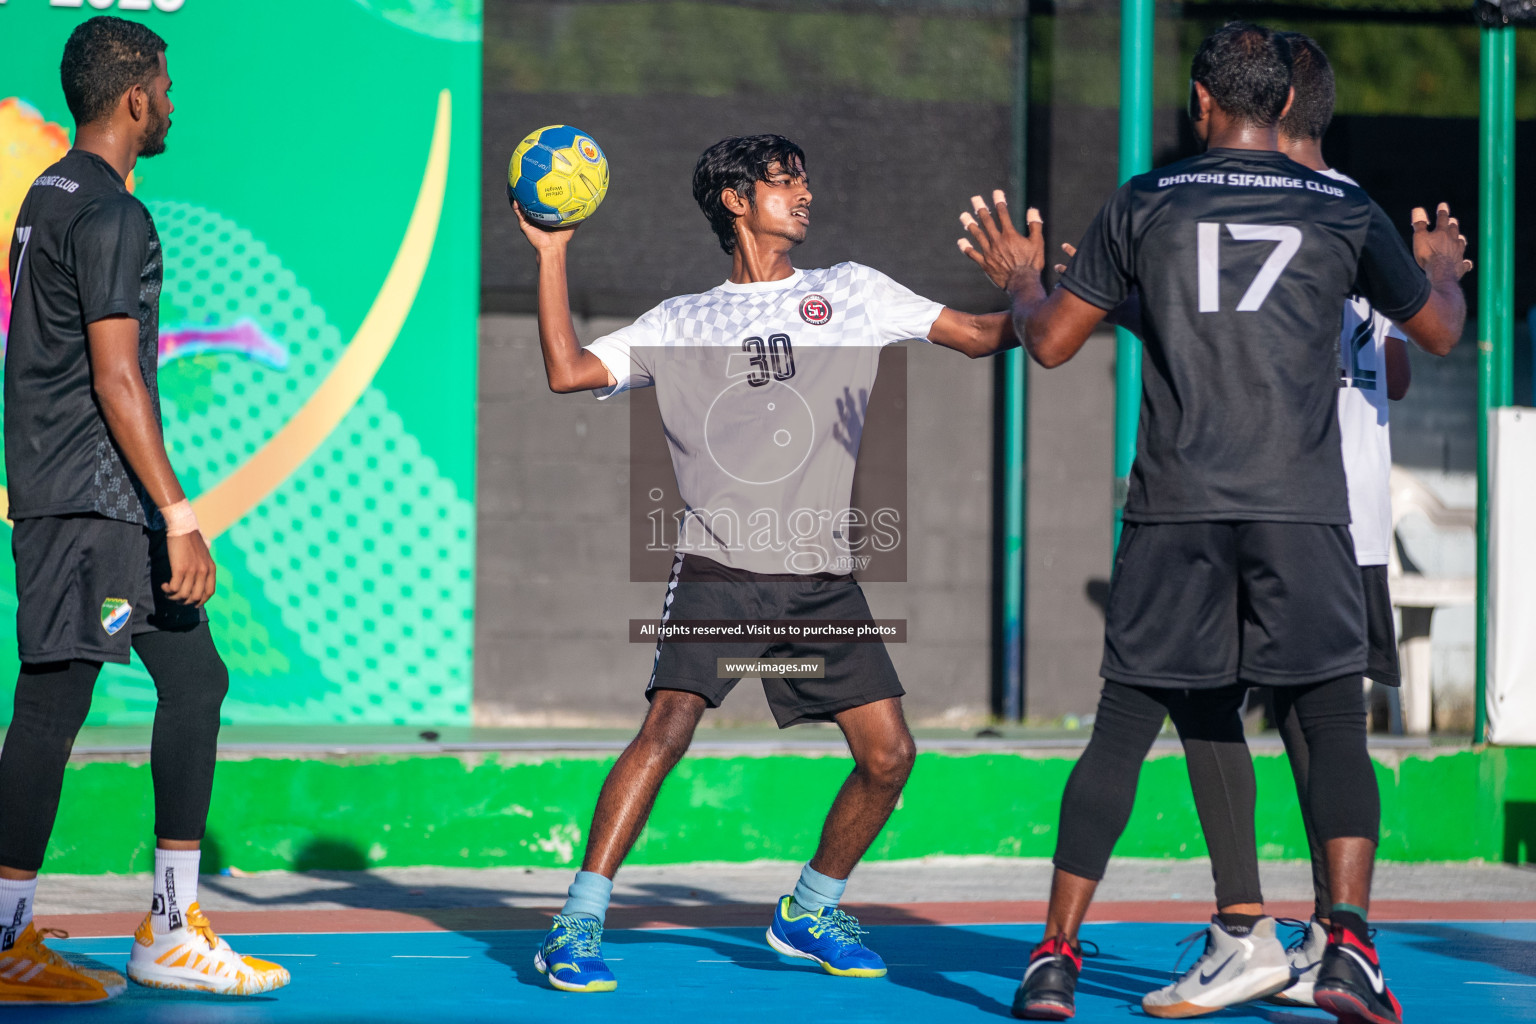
(86, 585)
(1201, 605)
(1380, 628)
(701, 588)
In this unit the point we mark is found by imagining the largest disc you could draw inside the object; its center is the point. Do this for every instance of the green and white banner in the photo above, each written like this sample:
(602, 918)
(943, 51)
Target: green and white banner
(318, 204)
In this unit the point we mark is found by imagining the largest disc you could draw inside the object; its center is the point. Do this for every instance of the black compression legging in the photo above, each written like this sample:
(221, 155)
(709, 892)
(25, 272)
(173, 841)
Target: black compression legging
(51, 704)
(1324, 727)
(1102, 787)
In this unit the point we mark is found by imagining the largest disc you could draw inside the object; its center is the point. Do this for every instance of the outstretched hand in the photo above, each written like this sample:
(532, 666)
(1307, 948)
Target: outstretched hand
(996, 246)
(1445, 245)
(543, 239)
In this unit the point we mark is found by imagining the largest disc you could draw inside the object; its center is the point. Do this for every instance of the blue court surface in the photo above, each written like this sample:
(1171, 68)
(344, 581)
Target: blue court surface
(1441, 971)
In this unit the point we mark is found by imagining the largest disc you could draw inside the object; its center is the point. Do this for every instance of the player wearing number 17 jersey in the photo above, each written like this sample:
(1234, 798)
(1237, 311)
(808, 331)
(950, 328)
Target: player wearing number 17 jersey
(757, 381)
(1236, 565)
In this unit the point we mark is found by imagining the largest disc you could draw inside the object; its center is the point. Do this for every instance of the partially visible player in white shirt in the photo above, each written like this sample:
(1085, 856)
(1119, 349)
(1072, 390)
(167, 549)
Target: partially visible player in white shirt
(743, 373)
(1373, 361)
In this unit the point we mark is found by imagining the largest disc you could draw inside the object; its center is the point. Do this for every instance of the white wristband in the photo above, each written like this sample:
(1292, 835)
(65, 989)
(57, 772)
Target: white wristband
(180, 520)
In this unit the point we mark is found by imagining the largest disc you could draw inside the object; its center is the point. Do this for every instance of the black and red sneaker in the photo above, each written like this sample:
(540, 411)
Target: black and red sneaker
(1049, 988)
(1350, 982)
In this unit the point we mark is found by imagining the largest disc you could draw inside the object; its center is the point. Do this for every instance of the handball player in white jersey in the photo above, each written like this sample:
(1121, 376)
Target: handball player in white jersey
(751, 377)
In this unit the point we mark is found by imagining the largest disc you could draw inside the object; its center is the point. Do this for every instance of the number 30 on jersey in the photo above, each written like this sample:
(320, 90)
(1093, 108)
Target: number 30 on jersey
(1209, 257)
(776, 360)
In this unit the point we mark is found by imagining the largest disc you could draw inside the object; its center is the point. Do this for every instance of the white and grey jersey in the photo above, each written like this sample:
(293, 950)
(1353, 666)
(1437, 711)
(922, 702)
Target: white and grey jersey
(762, 389)
(1363, 417)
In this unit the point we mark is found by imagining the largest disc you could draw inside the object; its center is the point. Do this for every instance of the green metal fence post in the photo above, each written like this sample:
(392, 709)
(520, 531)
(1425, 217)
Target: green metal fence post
(1495, 306)
(1136, 43)
(1015, 372)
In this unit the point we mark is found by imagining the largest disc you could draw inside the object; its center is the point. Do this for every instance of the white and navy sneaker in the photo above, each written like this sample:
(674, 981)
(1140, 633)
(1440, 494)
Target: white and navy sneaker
(1306, 955)
(1233, 969)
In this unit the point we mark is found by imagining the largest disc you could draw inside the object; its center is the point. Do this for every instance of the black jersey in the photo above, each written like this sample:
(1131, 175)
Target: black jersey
(1244, 260)
(84, 250)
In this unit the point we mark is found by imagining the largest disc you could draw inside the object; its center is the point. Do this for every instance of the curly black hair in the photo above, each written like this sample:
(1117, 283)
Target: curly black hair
(738, 163)
(1247, 70)
(104, 58)
(1312, 77)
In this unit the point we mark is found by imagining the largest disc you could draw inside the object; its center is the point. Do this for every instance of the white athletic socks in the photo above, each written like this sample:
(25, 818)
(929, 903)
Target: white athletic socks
(175, 888)
(16, 900)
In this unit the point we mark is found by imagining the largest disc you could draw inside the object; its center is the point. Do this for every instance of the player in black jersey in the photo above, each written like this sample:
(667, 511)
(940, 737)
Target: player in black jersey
(1362, 417)
(1235, 562)
(108, 551)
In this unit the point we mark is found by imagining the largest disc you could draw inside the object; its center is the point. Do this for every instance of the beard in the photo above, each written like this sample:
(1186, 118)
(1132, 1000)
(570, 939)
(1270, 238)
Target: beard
(154, 138)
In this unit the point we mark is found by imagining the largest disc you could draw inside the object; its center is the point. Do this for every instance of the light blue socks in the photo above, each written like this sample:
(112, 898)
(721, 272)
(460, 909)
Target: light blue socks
(589, 895)
(816, 891)
(590, 892)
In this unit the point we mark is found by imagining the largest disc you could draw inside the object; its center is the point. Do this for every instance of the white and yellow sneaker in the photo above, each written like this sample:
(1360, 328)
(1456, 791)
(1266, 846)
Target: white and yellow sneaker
(194, 958)
(30, 972)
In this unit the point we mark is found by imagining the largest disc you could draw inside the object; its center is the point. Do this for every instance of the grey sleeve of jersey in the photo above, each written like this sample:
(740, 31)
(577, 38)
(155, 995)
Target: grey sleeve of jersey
(628, 352)
(897, 311)
(1387, 273)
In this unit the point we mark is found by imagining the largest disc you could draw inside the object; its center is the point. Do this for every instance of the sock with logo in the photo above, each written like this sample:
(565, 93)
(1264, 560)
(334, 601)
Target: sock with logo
(1352, 919)
(589, 895)
(175, 888)
(1239, 924)
(16, 899)
(815, 891)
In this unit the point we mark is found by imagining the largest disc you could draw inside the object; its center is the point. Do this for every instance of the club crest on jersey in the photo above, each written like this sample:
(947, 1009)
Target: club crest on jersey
(815, 310)
(115, 613)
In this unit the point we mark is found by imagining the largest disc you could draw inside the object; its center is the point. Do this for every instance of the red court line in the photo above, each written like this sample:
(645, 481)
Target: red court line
(734, 915)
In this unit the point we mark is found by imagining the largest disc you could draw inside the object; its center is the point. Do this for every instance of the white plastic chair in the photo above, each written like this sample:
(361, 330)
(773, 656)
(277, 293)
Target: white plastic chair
(1418, 595)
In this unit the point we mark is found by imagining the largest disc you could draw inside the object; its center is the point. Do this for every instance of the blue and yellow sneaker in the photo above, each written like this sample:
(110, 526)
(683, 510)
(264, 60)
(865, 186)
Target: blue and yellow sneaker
(828, 936)
(572, 955)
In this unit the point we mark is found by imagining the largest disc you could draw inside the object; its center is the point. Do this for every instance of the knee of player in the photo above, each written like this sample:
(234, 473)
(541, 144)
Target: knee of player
(217, 687)
(667, 733)
(890, 763)
(205, 685)
(668, 745)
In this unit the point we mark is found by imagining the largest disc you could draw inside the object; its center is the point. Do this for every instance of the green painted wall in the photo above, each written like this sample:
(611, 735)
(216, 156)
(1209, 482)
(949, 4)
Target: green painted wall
(478, 812)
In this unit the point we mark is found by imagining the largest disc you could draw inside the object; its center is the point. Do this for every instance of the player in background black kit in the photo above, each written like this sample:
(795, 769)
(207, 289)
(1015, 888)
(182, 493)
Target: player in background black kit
(108, 551)
(1236, 561)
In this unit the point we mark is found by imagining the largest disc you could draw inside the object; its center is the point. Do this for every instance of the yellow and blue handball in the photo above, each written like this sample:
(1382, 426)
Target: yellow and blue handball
(558, 176)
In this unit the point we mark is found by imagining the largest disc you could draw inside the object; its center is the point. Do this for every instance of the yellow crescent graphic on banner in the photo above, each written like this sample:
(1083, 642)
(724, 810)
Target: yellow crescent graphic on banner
(231, 498)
